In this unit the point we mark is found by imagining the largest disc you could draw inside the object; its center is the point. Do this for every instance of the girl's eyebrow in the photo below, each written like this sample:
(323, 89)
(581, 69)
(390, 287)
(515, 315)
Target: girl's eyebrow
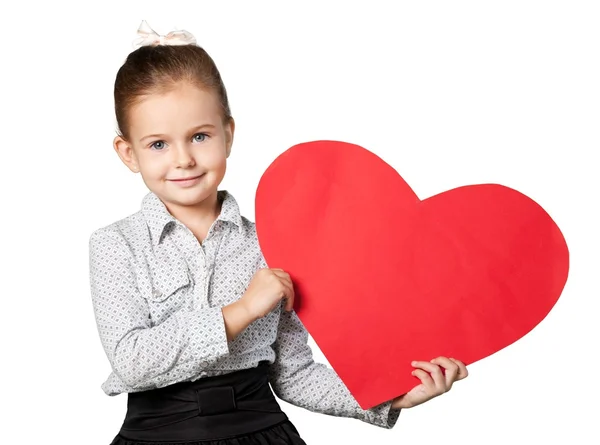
(192, 130)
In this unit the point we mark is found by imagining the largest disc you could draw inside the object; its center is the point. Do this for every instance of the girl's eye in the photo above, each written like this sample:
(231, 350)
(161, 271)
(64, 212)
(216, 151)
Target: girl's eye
(158, 145)
(199, 137)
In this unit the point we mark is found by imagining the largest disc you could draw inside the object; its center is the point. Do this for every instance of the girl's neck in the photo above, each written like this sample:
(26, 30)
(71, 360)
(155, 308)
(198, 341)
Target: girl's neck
(198, 218)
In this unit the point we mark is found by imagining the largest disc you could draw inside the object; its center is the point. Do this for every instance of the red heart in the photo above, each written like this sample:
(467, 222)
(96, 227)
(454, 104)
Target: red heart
(384, 278)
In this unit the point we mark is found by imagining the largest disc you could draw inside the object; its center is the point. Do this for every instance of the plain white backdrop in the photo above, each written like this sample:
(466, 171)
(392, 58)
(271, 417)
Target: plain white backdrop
(449, 93)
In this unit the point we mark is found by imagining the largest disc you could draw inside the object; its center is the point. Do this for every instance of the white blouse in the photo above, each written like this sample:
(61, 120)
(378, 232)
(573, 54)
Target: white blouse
(157, 295)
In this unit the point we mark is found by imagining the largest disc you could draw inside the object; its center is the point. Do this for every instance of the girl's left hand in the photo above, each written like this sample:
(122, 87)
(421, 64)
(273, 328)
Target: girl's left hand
(436, 378)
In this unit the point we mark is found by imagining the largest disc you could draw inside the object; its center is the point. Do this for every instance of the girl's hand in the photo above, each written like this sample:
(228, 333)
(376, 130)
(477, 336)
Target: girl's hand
(435, 381)
(267, 288)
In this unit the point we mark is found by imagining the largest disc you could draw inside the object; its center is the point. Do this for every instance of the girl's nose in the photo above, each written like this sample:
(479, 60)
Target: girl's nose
(183, 157)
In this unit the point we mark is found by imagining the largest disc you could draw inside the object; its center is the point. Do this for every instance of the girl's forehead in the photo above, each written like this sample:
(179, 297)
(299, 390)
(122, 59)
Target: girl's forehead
(180, 94)
(185, 104)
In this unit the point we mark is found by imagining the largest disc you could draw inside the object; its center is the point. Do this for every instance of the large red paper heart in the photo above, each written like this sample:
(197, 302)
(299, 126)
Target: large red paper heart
(384, 278)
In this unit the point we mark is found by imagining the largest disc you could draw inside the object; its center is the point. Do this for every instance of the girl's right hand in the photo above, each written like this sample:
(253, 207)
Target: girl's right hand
(267, 288)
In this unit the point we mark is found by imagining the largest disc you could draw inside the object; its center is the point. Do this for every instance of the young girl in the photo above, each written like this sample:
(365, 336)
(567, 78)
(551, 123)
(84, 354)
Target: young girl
(194, 324)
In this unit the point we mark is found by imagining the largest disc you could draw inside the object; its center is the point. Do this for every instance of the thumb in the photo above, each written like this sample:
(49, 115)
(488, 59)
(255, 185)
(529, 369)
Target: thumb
(289, 303)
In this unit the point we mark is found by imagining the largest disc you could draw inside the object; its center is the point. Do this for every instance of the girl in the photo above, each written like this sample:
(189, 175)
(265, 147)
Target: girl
(194, 324)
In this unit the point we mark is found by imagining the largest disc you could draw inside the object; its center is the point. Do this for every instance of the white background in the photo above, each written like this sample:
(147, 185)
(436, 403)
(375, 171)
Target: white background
(449, 93)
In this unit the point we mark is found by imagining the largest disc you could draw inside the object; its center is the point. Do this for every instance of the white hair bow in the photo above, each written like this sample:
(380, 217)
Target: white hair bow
(147, 36)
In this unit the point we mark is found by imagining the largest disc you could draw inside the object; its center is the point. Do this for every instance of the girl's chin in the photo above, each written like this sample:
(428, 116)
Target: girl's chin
(187, 197)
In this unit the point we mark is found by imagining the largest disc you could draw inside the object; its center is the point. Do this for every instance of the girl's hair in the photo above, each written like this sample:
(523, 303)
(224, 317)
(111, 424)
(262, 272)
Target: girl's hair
(157, 69)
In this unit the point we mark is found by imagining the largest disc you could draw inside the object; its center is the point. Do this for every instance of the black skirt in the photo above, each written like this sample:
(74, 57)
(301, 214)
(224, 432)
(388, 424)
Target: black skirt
(233, 409)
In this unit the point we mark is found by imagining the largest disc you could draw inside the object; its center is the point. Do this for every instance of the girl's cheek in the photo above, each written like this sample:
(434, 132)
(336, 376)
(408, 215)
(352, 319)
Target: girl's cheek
(218, 156)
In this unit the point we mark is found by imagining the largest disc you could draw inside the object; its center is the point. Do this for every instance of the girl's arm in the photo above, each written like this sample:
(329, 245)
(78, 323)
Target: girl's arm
(145, 356)
(297, 379)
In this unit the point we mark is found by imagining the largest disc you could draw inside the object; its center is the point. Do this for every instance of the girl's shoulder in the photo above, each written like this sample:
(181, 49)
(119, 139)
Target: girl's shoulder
(129, 230)
(134, 228)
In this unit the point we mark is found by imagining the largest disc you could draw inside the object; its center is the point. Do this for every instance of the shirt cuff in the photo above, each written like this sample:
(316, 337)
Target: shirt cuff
(206, 337)
(384, 415)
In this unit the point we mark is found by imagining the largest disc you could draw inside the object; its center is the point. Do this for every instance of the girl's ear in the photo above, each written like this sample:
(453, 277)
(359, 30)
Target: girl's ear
(126, 153)
(229, 131)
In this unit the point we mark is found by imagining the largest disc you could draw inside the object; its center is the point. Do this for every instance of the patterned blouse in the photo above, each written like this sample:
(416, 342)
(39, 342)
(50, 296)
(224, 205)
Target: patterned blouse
(157, 295)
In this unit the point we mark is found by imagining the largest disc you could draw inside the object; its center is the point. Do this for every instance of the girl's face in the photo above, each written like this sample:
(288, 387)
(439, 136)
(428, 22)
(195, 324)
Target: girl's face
(179, 144)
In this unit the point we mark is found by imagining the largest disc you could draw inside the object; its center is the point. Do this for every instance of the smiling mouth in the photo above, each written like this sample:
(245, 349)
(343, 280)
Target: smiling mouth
(191, 178)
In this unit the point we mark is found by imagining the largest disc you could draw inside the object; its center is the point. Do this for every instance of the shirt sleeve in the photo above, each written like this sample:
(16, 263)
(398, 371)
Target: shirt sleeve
(297, 379)
(141, 355)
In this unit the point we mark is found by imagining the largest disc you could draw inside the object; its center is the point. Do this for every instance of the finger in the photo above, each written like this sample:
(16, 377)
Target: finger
(287, 293)
(290, 296)
(426, 366)
(281, 274)
(289, 303)
(450, 370)
(426, 380)
(462, 369)
(436, 374)
(286, 281)
(284, 277)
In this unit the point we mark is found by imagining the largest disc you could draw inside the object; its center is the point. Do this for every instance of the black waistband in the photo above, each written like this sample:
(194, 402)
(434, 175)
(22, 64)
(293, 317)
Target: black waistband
(210, 408)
